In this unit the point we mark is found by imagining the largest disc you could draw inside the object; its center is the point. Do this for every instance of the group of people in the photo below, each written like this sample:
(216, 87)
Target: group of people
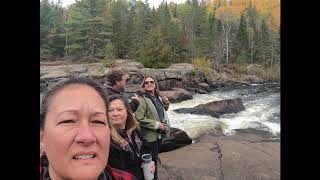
(92, 131)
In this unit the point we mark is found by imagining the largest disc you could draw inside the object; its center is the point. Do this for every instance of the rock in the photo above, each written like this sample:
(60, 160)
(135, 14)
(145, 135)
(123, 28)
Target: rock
(215, 108)
(204, 86)
(252, 79)
(173, 74)
(177, 139)
(177, 95)
(261, 133)
(182, 67)
(92, 70)
(168, 84)
(157, 73)
(228, 157)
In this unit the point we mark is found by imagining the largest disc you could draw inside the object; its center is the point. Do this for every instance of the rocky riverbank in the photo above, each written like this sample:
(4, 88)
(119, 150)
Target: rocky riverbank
(248, 155)
(178, 82)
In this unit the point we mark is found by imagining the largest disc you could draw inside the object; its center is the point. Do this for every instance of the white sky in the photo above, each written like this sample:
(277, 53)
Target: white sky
(156, 3)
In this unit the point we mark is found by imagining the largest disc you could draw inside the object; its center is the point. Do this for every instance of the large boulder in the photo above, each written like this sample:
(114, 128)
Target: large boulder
(251, 79)
(177, 95)
(215, 108)
(177, 139)
(168, 84)
(236, 157)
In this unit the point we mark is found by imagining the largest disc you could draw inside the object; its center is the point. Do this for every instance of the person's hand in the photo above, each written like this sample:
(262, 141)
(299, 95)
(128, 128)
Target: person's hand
(153, 167)
(165, 99)
(162, 126)
(136, 97)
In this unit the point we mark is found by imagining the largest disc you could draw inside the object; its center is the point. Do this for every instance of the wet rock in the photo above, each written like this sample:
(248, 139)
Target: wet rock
(215, 108)
(177, 139)
(177, 95)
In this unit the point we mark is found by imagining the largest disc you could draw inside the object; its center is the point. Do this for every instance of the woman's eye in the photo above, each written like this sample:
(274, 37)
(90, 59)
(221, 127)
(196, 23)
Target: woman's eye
(99, 122)
(67, 121)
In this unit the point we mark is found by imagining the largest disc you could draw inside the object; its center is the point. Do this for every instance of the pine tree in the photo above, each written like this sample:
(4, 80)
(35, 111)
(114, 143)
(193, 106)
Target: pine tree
(51, 25)
(242, 44)
(120, 23)
(156, 52)
(87, 29)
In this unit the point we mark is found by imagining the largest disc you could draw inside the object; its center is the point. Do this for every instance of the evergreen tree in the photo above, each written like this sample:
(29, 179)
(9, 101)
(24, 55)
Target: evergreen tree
(87, 29)
(51, 25)
(242, 44)
(156, 52)
(120, 23)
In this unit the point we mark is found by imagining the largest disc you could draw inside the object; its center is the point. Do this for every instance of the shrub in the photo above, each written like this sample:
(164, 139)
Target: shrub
(257, 70)
(240, 68)
(204, 65)
(272, 73)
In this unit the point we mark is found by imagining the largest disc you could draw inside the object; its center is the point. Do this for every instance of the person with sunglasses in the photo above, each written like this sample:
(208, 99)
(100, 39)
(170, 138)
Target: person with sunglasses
(116, 81)
(152, 115)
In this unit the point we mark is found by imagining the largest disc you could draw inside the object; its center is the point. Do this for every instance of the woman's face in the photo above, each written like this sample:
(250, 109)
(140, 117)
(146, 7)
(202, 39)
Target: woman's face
(117, 112)
(149, 84)
(76, 135)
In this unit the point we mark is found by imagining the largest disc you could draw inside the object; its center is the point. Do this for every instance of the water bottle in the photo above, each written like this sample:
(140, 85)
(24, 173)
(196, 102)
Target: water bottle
(146, 165)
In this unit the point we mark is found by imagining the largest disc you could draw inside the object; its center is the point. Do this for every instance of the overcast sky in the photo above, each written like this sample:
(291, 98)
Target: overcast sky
(151, 2)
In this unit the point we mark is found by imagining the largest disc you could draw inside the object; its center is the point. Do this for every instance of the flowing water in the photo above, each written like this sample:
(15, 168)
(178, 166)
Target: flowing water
(262, 111)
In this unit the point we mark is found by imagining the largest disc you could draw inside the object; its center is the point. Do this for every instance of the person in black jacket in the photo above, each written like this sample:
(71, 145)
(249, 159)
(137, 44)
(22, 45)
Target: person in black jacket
(117, 80)
(127, 145)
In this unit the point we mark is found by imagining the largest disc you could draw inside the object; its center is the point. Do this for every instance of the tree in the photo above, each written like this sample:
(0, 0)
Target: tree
(51, 21)
(156, 52)
(87, 29)
(121, 22)
(142, 23)
(252, 16)
(242, 37)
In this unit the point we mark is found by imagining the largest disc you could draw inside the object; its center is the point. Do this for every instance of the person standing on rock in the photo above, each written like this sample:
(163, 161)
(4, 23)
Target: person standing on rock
(152, 115)
(117, 80)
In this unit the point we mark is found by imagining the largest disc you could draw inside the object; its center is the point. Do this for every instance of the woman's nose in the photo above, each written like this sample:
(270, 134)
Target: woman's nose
(85, 135)
(115, 113)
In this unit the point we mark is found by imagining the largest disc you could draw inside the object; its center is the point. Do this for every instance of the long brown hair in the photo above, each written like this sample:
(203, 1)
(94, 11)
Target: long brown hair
(131, 121)
(156, 90)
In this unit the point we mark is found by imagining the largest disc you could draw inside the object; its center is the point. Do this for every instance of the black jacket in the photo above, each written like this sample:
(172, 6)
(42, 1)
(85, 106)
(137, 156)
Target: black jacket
(108, 174)
(128, 158)
(133, 103)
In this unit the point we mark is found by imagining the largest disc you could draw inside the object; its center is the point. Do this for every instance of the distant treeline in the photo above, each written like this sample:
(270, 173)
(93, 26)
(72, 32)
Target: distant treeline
(236, 31)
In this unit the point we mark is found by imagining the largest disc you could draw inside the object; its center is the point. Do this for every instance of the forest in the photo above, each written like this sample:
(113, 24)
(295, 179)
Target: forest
(219, 32)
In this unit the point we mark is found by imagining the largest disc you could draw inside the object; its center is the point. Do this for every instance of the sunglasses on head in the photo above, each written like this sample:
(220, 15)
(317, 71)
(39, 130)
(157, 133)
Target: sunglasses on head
(147, 82)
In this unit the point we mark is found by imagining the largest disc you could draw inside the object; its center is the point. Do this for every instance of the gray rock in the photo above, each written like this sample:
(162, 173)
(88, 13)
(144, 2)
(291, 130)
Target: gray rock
(177, 95)
(215, 108)
(177, 139)
(229, 158)
(251, 79)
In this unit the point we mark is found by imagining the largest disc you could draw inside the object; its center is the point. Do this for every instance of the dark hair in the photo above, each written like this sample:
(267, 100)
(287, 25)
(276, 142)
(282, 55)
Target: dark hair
(115, 75)
(52, 90)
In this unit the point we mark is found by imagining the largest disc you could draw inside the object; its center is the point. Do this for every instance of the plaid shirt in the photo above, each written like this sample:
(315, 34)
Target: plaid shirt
(108, 174)
(119, 175)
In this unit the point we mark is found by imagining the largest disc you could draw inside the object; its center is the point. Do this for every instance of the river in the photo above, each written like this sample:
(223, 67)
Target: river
(262, 111)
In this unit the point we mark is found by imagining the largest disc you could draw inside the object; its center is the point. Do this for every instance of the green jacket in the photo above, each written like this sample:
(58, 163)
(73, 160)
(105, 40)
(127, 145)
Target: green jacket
(149, 119)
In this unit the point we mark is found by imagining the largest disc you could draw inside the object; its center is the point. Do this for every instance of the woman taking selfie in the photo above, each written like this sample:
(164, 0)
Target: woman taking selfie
(75, 133)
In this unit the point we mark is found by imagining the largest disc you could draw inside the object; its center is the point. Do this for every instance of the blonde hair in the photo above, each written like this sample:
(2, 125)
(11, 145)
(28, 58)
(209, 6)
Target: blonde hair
(131, 121)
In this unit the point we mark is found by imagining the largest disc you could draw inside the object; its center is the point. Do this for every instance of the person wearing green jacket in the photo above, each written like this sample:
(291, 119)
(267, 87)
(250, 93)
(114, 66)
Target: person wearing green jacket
(152, 115)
